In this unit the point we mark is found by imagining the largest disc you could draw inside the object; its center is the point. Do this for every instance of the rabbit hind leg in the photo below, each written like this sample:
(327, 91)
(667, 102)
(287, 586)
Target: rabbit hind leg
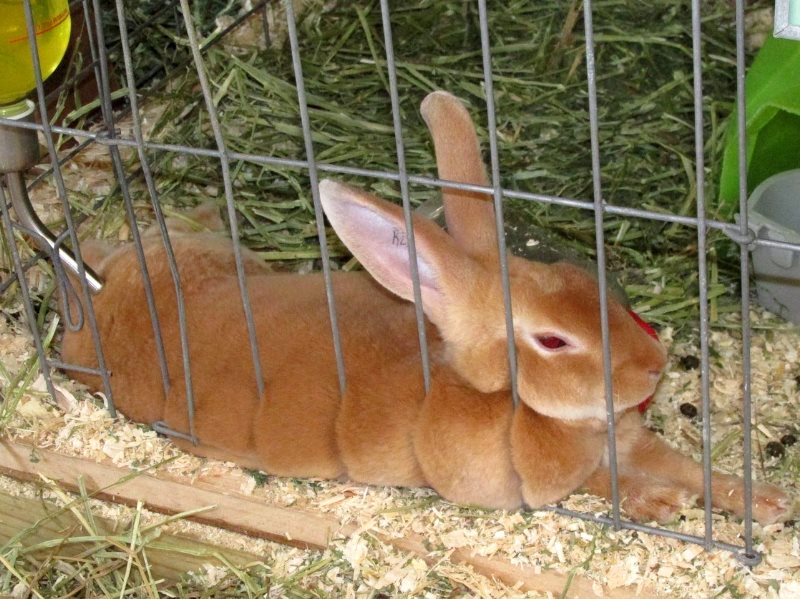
(214, 453)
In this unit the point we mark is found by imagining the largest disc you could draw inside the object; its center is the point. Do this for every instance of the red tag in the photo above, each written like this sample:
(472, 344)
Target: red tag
(650, 331)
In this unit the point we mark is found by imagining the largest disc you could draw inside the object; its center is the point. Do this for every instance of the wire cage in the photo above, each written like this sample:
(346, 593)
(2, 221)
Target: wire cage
(119, 89)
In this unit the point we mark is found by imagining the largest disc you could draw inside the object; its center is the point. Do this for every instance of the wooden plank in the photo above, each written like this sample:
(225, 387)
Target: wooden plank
(238, 513)
(253, 517)
(169, 556)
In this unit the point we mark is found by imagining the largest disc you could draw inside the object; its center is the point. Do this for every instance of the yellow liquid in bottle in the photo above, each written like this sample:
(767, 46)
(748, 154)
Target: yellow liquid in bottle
(52, 23)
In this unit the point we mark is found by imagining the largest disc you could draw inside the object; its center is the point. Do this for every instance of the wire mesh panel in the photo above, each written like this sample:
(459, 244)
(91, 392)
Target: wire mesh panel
(140, 157)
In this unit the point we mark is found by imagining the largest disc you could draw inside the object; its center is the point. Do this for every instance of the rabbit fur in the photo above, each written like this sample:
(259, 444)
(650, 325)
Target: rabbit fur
(463, 438)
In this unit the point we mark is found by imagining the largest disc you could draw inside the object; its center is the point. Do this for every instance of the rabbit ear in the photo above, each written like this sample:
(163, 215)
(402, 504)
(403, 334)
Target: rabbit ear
(469, 215)
(374, 230)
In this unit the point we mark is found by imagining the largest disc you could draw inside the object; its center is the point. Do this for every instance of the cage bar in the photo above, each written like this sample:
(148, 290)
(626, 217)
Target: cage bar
(730, 230)
(498, 197)
(312, 173)
(749, 554)
(702, 267)
(403, 179)
(126, 197)
(30, 315)
(211, 110)
(599, 233)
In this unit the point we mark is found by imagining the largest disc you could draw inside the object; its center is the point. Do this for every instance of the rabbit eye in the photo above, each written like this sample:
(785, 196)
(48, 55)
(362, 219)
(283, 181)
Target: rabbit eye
(551, 342)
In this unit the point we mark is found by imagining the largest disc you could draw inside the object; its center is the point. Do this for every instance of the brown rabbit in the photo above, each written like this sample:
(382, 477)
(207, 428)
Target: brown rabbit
(464, 438)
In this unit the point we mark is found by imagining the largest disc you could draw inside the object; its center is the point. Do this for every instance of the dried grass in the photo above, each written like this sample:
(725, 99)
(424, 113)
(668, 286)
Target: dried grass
(646, 125)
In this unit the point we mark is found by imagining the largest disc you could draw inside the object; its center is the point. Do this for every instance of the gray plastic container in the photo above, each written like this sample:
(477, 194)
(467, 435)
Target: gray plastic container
(773, 210)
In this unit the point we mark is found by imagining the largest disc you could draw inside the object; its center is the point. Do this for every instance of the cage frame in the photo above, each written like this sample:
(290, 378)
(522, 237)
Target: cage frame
(739, 233)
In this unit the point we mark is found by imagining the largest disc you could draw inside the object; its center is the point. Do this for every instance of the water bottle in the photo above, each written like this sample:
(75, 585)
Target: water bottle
(52, 24)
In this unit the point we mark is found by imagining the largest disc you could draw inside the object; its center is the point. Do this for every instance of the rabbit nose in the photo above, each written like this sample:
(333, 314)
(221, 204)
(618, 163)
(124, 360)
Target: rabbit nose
(655, 374)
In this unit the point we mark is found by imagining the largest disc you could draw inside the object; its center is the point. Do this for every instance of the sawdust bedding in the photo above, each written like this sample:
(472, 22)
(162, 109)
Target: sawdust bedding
(76, 424)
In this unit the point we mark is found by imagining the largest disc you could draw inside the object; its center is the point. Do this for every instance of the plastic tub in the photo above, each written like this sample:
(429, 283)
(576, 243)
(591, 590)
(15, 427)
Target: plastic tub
(773, 211)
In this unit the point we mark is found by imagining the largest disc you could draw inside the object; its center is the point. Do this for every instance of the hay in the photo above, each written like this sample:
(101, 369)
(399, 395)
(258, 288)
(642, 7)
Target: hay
(646, 122)
(646, 125)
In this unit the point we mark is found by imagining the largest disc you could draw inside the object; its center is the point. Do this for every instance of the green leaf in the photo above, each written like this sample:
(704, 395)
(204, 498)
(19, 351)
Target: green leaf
(773, 121)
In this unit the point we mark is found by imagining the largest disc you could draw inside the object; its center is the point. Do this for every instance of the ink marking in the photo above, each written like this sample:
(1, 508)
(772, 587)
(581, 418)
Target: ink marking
(399, 237)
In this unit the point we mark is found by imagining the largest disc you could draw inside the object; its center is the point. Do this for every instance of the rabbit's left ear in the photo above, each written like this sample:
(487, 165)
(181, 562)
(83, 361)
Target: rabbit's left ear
(469, 214)
(374, 231)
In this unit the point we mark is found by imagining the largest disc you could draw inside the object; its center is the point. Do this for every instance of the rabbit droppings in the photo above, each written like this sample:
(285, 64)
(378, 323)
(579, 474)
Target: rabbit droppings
(464, 438)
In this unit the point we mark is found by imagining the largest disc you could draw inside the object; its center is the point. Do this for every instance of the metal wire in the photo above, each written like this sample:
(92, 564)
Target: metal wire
(74, 367)
(93, 49)
(224, 160)
(727, 228)
(741, 234)
(401, 168)
(498, 198)
(741, 122)
(314, 180)
(599, 233)
(30, 314)
(746, 559)
(702, 269)
(108, 116)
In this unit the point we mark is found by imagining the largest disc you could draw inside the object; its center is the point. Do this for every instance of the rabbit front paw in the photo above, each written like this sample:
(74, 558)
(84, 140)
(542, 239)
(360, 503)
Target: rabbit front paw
(770, 504)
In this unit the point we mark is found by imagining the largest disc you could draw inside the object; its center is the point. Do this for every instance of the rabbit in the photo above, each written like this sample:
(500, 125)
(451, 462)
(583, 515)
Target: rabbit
(464, 438)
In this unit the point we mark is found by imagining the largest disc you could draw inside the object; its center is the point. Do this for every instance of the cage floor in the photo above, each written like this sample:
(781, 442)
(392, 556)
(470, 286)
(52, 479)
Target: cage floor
(609, 562)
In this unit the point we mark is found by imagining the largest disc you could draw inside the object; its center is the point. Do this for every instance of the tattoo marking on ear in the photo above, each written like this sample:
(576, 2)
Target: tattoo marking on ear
(399, 237)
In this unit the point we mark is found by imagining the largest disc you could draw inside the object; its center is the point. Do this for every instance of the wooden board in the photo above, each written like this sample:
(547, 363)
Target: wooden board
(169, 556)
(238, 513)
(253, 517)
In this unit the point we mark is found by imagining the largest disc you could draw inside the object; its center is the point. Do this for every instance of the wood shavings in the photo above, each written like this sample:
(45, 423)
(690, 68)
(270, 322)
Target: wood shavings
(623, 573)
